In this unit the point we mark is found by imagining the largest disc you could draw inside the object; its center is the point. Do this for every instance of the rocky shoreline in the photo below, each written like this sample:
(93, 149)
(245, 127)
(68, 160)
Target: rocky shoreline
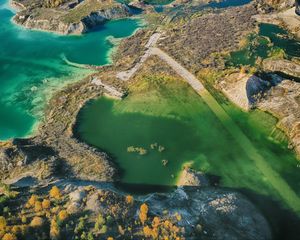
(65, 20)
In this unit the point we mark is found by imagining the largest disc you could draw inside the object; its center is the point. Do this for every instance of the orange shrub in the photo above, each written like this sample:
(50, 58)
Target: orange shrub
(54, 229)
(46, 204)
(143, 213)
(9, 236)
(62, 215)
(129, 199)
(36, 222)
(55, 192)
(32, 200)
(38, 206)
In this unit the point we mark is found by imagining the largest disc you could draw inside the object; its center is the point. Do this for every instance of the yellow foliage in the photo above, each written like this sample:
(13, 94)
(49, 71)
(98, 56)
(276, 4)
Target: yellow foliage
(9, 236)
(38, 206)
(143, 213)
(110, 238)
(32, 200)
(3, 223)
(54, 230)
(62, 215)
(155, 222)
(36, 222)
(168, 224)
(16, 229)
(129, 199)
(46, 204)
(55, 192)
(147, 231)
(150, 232)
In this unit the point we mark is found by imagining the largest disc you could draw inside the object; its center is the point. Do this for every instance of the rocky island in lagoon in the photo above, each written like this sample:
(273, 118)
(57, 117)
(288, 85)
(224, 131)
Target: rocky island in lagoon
(190, 124)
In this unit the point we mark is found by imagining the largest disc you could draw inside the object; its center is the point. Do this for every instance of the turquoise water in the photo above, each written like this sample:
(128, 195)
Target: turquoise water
(270, 41)
(32, 66)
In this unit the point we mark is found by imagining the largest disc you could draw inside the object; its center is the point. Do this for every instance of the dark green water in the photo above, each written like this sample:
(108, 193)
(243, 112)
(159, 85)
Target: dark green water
(32, 66)
(270, 41)
(173, 116)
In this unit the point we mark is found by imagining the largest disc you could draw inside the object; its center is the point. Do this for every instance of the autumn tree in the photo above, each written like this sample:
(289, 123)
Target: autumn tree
(46, 204)
(36, 222)
(38, 206)
(143, 213)
(31, 201)
(63, 215)
(55, 192)
(54, 229)
(9, 236)
(129, 199)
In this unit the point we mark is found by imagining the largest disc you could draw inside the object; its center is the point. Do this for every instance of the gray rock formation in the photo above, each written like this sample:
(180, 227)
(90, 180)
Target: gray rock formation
(284, 66)
(283, 101)
(211, 208)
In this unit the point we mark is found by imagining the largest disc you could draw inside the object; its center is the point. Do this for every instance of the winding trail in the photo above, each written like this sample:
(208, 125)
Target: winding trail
(276, 181)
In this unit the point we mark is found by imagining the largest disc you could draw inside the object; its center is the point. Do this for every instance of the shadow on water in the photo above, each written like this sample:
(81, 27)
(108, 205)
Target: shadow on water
(283, 222)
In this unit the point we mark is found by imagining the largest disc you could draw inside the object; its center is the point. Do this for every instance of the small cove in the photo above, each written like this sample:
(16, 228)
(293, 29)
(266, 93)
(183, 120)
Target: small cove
(32, 67)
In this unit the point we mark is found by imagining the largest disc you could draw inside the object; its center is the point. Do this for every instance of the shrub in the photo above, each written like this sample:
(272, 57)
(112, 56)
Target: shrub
(9, 236)
(129, 199)
(3, 223)
(32, 200)
(143, 213)
(36, 222)
(46, 204)
(38, 206)
(63, 215)
(54, 229)
(55, 192)
(16, 229)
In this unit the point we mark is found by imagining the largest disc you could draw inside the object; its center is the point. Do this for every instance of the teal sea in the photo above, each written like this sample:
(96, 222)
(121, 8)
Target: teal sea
(32, 66)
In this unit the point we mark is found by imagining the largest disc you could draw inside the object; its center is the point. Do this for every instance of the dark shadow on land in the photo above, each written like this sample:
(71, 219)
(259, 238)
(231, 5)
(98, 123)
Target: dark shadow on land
(284, 223)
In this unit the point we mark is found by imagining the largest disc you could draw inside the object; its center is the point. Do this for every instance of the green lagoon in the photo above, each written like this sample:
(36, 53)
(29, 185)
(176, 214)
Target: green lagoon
(32, 66)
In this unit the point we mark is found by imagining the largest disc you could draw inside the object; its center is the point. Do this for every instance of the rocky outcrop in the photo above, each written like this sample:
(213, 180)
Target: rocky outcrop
(52, 25)
(54, 20)
(210, 209)
(99, 17)
(190, 177)
(245, 90)
(284, 66)
(283, 101)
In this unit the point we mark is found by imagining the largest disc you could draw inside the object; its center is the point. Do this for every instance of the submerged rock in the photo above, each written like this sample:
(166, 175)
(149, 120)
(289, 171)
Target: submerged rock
(190, 177)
